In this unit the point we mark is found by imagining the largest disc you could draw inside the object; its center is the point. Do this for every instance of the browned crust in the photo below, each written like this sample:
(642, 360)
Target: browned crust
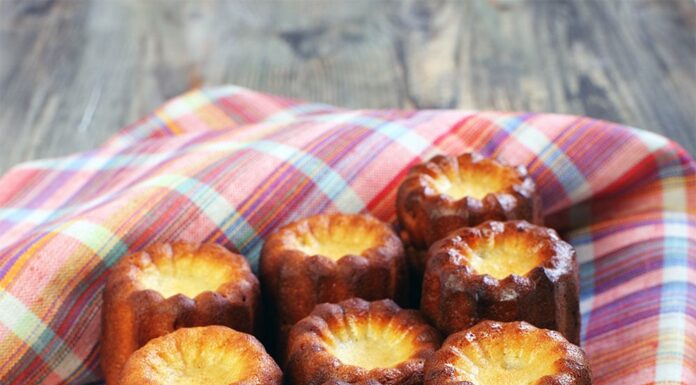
(137, 370)
(456, 297)
(427, 215)
(572, 369)
(296, 282)
(131, 315)
(309, 362)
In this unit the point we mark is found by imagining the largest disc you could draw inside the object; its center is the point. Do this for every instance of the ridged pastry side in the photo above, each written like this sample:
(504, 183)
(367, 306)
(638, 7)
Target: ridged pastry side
(330, 258)
(141, 300)
(504, 271)
(449, 192)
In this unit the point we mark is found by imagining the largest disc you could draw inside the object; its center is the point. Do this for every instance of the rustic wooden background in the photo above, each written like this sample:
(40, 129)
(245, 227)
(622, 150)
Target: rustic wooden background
(73, 72)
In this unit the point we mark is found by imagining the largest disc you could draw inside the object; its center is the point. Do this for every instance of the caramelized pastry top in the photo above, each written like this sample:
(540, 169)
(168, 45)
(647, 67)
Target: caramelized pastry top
(331, 258)
(369, 342)
(504, 271)
(211, 355)
(514, 353)
(187, 269)
(502, 249)
(335, 236)
(449, 192)
(472, 177)
(357, 340)
(168, 286)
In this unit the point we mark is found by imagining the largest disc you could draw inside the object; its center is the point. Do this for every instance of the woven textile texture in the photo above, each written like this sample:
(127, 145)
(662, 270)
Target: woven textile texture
(229, 165)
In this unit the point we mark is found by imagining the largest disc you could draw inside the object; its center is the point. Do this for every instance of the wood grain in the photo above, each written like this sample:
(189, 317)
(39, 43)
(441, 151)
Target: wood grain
(73, 72)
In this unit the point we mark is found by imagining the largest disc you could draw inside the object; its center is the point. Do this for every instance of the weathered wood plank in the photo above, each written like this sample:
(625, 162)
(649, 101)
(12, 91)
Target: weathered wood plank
(73, 72)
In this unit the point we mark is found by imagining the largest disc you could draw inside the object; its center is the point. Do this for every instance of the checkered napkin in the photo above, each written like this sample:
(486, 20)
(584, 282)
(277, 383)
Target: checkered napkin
(229, 165)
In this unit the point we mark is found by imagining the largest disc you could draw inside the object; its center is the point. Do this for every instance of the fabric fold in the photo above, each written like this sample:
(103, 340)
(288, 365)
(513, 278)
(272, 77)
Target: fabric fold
(229, 165)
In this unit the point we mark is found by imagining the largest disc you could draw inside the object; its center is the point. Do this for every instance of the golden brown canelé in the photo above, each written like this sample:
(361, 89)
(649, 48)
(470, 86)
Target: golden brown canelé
(330, 258)
(514, 353)
(449, 192)
(504, 271)
(209, 355)
(356, 341)
(168, 286)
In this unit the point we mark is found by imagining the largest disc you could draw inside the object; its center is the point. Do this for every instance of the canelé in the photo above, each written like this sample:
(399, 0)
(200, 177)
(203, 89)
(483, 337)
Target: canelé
(209, 355)
(515, 353)
(330, 258)
(449, 192)
(168, 286)
(504, 271)
(356, 341)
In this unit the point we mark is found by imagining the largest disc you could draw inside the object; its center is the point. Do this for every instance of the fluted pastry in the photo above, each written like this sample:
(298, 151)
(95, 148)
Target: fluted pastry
(168, 286)
(449, 192)
(360, 342)
(330, 258)
(210, 355)
(504, 271)
(515, 353)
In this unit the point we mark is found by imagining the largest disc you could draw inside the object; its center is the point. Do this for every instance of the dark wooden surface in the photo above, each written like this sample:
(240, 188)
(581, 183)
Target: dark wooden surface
(73, 72)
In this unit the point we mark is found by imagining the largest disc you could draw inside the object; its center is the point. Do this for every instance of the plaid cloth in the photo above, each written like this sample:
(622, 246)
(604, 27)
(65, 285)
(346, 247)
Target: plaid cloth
(229, 165)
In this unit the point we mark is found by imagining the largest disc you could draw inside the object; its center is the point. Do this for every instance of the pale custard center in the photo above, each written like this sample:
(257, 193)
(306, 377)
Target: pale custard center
(511, 362)
(334, 251)
(473, 182)
(461, 189)
(505, 256)
(337, 244)
(202, 365)
(219, 374)
(188, 276)
(371, 345)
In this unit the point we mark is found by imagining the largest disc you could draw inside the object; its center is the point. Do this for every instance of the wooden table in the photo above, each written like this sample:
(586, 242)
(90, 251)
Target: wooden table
(73, 72)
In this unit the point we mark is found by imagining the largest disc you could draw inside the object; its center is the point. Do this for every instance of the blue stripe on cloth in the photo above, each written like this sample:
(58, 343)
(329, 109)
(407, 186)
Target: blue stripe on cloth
(573, 181)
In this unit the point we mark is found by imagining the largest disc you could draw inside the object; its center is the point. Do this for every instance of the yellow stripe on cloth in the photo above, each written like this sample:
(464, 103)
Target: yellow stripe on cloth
(96, 237)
